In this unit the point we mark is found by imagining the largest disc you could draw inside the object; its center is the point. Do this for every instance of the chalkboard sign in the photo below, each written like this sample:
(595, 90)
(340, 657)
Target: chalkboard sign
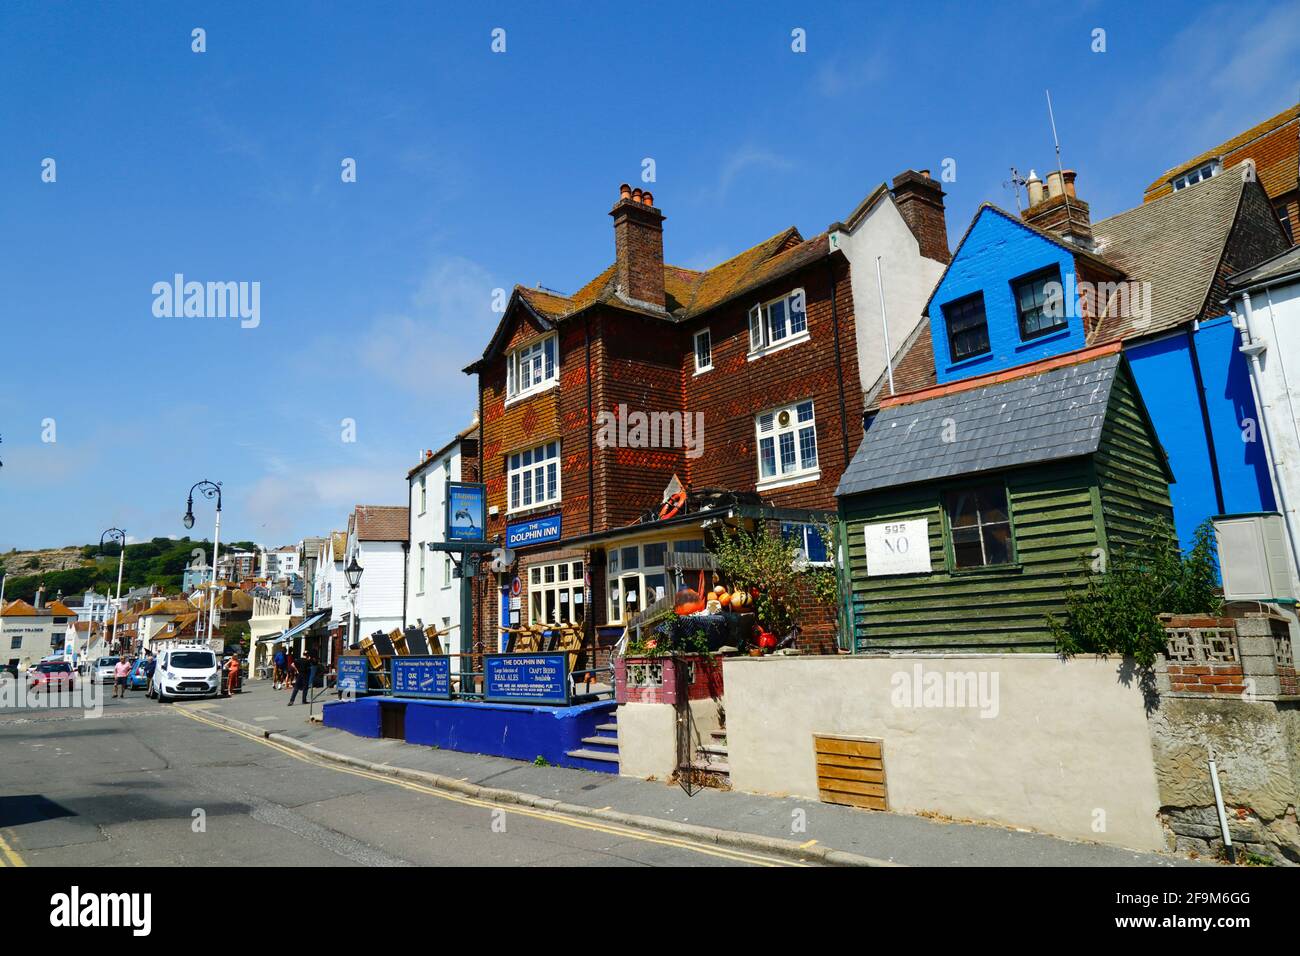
(526, 678)
(422, 677)
(352, 675)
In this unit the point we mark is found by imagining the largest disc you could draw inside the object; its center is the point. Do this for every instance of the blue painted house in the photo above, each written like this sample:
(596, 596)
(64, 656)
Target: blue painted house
(1025, 288)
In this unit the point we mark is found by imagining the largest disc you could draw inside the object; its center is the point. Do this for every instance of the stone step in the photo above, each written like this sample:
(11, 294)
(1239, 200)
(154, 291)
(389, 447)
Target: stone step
(602, 755)
(718, 767)
(718, 734)
(719, 749)
(601, 742)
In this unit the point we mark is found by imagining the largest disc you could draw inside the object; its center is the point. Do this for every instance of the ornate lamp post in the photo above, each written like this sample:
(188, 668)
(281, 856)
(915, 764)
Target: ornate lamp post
(209, 489)
(353, 573)
(118, 535)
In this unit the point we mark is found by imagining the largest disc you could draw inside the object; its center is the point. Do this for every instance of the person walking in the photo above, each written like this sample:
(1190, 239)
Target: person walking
(150, 663)
(279, 661)
(121, 670)
(306, 676)
(290, 670)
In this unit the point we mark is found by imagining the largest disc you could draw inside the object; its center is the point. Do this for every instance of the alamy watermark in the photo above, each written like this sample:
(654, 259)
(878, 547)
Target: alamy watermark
(638, 429)
(208, 300)
(955, 689)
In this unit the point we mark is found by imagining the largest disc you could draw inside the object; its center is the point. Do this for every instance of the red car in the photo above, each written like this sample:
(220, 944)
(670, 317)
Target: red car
(52, 675)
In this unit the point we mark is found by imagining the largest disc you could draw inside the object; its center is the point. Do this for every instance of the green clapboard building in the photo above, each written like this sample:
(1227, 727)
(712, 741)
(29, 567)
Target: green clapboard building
(967, 506)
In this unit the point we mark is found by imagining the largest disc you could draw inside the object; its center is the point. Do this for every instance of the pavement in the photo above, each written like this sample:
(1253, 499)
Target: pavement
(826, 833)
(148, 784)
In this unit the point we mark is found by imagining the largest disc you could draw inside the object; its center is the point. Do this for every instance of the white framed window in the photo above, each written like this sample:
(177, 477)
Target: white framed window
(787, 445)
(446, 570)
(1194, 176)
(535, 476)
(424, 496)
(774, 325)
(422, 550)
(703, 351)
(555, 593)
(532, 368)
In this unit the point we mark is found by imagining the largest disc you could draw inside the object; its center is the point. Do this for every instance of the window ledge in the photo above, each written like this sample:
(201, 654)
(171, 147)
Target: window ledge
(527, 509)
(785, 343)
(536, 390)
(787, 481)
(1014, 567)
(701, 371)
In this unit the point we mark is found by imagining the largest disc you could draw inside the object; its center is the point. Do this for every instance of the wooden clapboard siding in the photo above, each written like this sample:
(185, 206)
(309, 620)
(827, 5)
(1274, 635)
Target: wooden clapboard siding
(1055, 526)
(1131, 477)
(851, 771)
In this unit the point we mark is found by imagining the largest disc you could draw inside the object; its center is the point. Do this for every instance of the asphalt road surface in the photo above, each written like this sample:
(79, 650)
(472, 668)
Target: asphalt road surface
(159, 784)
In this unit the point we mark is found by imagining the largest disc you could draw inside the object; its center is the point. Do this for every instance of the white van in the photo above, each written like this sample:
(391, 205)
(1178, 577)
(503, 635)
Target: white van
(187, 670)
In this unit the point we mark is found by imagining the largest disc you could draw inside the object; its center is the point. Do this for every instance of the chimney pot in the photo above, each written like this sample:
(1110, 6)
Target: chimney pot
(624, 191)
(1054, 187)
(1035, 187)
(1069, 175)
(636, 195)
(648, 198)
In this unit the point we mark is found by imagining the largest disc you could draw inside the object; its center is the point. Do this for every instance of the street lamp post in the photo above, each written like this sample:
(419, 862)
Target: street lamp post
(353, 573)
(118, 535)
(209, 489)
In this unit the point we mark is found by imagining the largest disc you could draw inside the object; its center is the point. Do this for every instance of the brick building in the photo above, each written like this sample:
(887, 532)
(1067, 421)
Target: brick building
(737, 385)
(1273, 146)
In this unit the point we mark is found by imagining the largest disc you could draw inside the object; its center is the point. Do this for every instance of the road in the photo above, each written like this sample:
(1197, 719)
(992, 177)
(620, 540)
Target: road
(162, 785)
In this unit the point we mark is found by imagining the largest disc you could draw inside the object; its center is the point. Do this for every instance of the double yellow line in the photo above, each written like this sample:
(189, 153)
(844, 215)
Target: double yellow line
(8, 855)
(736, 856)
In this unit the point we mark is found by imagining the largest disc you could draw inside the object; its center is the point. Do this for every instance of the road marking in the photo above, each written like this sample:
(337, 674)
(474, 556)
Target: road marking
(804, 846)
(547, 815)
(8, 855)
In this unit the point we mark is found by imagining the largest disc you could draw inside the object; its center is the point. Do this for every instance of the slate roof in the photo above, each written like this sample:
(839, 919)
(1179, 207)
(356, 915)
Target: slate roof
(1044, 412)
(1284, 265)
(1175, 243)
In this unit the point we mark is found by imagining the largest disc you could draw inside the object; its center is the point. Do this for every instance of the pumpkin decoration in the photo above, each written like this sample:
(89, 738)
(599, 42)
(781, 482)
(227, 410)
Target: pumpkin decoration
(739, 601)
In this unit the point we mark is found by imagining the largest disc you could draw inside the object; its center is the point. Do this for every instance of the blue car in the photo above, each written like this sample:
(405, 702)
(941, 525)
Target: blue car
(139, 678)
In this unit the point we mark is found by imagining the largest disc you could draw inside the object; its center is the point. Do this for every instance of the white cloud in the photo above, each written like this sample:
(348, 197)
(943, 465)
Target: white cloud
(744, 160)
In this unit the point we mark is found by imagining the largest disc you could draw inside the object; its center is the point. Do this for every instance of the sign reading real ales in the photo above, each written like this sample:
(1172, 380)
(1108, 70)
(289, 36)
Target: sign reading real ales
(898, 547)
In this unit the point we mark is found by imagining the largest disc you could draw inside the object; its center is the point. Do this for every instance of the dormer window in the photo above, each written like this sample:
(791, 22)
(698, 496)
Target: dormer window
(1194, 176)
(532, 368)
(774, 325)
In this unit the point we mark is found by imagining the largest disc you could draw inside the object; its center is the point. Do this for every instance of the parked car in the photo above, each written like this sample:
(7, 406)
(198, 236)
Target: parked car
(103, 670)
(188, 670)
(52, 675)
(139, 677)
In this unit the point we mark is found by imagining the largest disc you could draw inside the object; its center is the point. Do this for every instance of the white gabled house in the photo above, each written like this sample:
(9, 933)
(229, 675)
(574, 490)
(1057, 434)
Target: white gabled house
(378, 537)
(432, 590)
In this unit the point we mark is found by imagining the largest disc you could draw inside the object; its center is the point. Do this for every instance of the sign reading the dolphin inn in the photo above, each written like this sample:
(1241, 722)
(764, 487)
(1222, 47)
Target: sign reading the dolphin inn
(422, 677)
(526, 678)
(466, 511)
(898, 547)
(534, 531)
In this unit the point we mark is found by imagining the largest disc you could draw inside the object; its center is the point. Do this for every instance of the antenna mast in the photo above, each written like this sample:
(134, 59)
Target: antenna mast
(1069, 216)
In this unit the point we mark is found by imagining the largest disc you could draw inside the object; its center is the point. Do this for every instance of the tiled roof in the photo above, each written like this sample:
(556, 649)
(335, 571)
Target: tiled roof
(169, 608)
(19, 608)
(1284, 265)
(913, 367)
(1277, 170)
(381, 522)
(689, 293)
(59, 609)
(1042, 412)
(1176, 244)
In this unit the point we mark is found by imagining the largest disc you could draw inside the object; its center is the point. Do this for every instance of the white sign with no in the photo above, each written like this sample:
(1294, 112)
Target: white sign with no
(898, 547)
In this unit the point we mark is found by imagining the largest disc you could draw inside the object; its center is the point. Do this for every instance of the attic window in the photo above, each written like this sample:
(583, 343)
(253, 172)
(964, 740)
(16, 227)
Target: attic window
(1194, 176)
(1040, 303)
(968, 327)
(778, 323)
(532, 368)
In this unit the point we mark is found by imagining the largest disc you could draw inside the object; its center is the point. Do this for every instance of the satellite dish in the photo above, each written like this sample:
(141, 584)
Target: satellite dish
(502, 559)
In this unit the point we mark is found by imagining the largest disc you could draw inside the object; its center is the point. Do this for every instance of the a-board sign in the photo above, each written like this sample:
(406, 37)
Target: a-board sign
(898, 547)
(526, 678)
(422, 677)
(353, 673)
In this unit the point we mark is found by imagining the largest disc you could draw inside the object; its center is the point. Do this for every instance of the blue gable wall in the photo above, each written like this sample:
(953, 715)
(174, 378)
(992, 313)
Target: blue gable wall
(997, 251)
(1166, 378)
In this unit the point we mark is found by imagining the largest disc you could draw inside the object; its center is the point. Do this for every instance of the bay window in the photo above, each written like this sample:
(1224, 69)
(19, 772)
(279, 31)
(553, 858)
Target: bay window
(555, 593)
(639, 574)
(531, 368)
(787, 444)
(535, 476)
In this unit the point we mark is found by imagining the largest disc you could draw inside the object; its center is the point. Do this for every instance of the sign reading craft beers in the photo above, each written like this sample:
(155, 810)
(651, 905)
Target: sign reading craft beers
(898, 547)
(526, 678)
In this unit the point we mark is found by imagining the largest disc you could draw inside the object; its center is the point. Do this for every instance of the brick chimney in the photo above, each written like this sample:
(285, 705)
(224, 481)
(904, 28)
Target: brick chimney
(1054, 207)
(920, 200)
(639, 248)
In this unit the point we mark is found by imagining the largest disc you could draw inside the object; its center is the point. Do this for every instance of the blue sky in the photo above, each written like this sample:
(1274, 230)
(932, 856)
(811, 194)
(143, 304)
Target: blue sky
(477, 170)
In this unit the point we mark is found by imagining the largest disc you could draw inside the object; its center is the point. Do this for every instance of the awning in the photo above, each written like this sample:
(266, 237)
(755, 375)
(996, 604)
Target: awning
(298, 630)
